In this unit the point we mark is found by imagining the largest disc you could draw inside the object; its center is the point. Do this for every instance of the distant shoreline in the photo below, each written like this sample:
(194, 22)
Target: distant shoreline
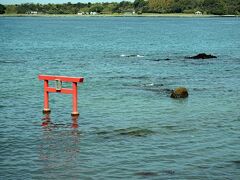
(119, 15)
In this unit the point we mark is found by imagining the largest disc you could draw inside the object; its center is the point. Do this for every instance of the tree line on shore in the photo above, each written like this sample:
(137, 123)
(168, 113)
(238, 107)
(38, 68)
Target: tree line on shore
(216, 7)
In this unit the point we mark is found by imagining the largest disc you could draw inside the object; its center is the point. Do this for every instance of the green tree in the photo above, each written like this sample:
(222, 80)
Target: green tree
(96, 8)
(109, 7)
(140, 6)
(232, 6)
(179, 6)
(11, 9)
(161, 6)
(2, 9)
(123, 6)
(217, 7)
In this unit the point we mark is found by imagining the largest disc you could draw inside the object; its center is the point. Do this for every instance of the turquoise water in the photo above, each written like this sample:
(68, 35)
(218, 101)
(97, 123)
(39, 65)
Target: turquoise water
(129, 127)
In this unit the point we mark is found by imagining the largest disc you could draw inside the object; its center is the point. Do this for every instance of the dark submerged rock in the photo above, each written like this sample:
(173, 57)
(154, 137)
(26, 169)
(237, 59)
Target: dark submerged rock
(236, 162)
(202, 56)
(134, 132)
(131, 131)
(165, 59)
(131, 55)
(102, 133)
(180, 92)
(146, 174)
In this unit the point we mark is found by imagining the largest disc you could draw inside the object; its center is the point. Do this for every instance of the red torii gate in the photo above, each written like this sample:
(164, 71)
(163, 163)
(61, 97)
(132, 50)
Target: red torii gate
(59, 89)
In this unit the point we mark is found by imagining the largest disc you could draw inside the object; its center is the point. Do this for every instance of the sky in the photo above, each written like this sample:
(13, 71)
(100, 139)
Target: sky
(53, 1)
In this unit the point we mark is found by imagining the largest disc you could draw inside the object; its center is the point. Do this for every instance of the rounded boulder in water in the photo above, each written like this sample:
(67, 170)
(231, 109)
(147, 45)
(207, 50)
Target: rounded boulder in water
(179, 92)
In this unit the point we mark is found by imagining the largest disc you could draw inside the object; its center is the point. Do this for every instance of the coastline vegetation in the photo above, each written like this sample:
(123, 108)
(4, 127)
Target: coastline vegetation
(138, 7)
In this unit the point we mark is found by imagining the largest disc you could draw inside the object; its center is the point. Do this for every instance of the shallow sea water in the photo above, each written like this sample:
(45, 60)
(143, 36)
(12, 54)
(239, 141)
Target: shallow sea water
(129, 127)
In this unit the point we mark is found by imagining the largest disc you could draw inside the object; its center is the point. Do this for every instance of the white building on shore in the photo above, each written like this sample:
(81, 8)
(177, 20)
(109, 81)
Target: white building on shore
(198, 13)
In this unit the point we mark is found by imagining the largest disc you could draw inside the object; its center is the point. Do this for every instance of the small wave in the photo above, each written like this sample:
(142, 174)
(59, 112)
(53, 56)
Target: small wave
(128, 77)
(159, 88)
(159, 59)
(132, 55)
(199, 89)
(10, 62)
(153, 85)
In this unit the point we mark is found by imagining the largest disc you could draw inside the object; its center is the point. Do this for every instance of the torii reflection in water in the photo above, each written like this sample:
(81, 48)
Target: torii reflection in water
(46, 122)
(59, 144)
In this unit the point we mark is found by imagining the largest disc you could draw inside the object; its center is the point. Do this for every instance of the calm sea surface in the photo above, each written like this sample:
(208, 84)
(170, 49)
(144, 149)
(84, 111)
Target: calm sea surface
(129, 127)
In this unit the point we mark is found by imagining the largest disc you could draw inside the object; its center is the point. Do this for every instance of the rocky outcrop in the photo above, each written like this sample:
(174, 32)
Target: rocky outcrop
(180, 92)
(202, 56)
